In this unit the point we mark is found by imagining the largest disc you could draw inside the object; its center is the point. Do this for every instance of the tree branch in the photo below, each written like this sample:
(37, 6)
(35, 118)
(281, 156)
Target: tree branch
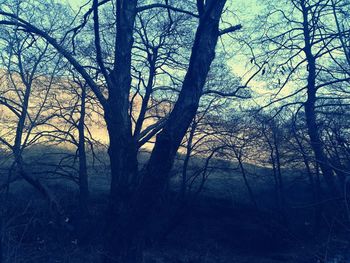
(53, 42)
(98, 41)
(230, 29)
(169, 7)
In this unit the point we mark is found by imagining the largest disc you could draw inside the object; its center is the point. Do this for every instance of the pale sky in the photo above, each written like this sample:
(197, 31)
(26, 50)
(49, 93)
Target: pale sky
(243, 11)
(76, 3)
(249, 7)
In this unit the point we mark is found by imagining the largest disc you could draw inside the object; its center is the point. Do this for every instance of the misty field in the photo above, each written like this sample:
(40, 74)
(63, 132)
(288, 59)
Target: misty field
(219, 224)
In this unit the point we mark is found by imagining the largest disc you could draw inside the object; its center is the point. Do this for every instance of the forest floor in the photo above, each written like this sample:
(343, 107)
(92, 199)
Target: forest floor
(220, 226)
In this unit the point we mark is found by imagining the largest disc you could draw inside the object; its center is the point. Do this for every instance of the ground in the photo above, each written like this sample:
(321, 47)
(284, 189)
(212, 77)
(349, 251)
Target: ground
(219, 226)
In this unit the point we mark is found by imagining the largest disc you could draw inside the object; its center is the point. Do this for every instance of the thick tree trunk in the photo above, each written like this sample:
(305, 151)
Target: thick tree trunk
(169, 139)
(130, 214)
(1, 236)
(122, 146)
(316, 144)
(124, 170)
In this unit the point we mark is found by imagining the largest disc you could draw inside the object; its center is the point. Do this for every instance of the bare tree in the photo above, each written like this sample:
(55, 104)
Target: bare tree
(127, 206)
(25, 73)
(300, 51)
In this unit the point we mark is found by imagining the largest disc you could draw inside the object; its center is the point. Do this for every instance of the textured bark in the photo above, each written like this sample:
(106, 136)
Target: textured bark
(132, 214)
(169, 139)
(122, 148)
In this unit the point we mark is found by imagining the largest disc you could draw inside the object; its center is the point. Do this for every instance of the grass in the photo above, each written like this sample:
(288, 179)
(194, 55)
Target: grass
(220, 226)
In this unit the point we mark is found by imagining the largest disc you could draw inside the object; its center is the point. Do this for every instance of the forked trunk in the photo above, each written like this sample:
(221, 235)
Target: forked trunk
(132, 210)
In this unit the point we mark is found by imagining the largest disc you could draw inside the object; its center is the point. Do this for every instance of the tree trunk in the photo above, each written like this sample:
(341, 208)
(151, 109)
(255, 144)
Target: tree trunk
(83, 176)
(122, 146)
(187, 160)
(313, 183)
(281, 191)
(309, 106)
(17, 150)
(1, 236)
(124, 170)
(131, 213)
(169, 139)
(274, 172)
(244, 175)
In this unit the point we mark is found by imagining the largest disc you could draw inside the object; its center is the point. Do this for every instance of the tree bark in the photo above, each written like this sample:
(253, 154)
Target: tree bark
(133, 214)
(122, 146)
(169, 139)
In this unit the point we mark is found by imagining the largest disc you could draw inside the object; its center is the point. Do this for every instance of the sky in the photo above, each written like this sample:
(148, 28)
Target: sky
(243, 11)
(76, 3)
(250, 7)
